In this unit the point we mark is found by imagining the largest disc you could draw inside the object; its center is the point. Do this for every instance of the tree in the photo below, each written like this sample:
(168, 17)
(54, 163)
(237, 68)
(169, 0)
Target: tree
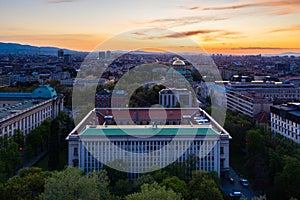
(255, 143)
(146, 178)
(153, 192)
(203, 187)
(28, 184)
(177, 185)
(72, 183)
(286, 183)
(122, 187)
(10, 158)
(55, 131)
(18, 137)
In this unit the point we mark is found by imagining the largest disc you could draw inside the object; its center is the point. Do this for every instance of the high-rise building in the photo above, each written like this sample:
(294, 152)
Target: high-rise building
(108, 55)
(60, 53)
(67, 59)
(101, 55)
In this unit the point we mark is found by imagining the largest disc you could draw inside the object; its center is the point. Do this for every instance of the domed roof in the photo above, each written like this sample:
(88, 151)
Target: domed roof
(44, 91)
(177, 61)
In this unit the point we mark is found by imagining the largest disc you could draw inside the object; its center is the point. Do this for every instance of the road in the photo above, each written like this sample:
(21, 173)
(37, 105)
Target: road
(228, 187)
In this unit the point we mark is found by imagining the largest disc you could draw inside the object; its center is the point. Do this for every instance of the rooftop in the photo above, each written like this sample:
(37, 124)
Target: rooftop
(21, 101)
(146, 131)
(19, 107)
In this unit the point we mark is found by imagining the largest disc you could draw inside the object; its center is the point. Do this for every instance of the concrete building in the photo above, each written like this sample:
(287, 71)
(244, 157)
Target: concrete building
(285, 120)
(101, 55)
(169, 97)
(4, 81)
(108, 99)
(256, 96)
(96, 140)
(60, 53)
(26, 111)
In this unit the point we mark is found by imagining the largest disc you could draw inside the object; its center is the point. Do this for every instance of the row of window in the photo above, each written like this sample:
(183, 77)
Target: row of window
(28, 123)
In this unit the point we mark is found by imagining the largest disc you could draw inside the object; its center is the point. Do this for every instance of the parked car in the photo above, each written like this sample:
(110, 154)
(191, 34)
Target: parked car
(235, 194)
(244, 182)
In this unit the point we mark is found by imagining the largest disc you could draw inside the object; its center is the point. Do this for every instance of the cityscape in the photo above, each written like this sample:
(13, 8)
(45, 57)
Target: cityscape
(204, 104)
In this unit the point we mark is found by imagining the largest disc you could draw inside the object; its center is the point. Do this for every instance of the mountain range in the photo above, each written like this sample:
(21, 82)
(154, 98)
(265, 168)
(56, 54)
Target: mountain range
(14, 48)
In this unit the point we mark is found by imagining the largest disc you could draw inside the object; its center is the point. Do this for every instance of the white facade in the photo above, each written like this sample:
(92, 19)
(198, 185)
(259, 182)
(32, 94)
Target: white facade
(26, 111)
(253, 98)
(89, 149)
(169, 97)
(285, 120)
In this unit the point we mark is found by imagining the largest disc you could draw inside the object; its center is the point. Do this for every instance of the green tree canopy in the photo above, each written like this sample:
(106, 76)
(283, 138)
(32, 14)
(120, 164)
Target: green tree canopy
(154, 192)
(72, 183)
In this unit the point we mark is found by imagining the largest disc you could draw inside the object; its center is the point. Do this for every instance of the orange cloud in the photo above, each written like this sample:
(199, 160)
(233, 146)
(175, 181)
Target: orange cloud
(294, 28)
(288, 6)
(203, 32)
(174, 22)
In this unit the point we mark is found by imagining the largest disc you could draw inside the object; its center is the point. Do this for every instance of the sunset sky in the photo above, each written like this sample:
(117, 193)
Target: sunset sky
(218, 26)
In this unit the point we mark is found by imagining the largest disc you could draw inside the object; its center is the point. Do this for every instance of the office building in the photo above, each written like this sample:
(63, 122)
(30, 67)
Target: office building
(147, 138)
(101, 55)
(257, 96)
(60, 54)
(285, 120)
(171, 97)
(26, 111)
(108, 99)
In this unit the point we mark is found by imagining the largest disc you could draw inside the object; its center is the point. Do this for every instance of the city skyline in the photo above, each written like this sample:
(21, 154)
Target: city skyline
(222, 26)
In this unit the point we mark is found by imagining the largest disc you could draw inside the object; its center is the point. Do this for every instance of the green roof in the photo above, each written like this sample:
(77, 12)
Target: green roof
(147, 131)
(44, 91)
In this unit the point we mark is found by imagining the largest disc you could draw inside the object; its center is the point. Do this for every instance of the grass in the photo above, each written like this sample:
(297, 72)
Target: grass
(63, 160)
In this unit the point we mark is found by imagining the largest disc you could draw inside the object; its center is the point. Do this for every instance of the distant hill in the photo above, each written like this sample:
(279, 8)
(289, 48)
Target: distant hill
(14, 48)
(291, 53)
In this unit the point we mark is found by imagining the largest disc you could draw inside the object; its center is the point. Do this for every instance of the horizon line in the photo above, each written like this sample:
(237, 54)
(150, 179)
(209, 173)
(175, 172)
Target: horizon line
(187, 52)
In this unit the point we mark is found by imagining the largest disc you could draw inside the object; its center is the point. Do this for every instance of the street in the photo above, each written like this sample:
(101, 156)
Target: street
(228, 187)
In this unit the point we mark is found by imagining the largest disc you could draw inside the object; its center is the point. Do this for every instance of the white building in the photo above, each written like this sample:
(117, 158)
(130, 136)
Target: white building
(141, 148)
(255, 97)
(170, 96)
(285, 120)
(26, 111)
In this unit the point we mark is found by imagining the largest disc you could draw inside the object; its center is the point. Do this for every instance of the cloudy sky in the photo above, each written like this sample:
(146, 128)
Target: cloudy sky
(219, 26)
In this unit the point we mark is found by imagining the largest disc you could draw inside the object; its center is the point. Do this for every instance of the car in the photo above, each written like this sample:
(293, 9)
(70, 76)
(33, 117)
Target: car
(231, 180)
(244, 182)
(235, 194)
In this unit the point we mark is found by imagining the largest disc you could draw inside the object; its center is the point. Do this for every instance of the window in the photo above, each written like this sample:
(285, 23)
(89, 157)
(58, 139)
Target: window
(222, 150)
(222, 163)
(75, 152)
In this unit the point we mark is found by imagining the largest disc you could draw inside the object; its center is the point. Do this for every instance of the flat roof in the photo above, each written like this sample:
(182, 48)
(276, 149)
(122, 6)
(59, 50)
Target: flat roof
(296, 113)
(147, 131)
(18, 107)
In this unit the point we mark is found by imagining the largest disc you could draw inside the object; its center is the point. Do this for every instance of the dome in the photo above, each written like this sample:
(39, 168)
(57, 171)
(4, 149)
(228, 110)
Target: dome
(44, 91)
(178, 62)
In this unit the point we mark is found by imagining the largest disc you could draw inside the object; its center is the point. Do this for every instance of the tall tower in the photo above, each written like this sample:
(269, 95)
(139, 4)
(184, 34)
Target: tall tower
(101, 55)
(60, 53)
(108, 54)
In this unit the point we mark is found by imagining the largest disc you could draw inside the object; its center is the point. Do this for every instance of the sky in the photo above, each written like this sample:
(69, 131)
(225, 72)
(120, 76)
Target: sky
(219, 26)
